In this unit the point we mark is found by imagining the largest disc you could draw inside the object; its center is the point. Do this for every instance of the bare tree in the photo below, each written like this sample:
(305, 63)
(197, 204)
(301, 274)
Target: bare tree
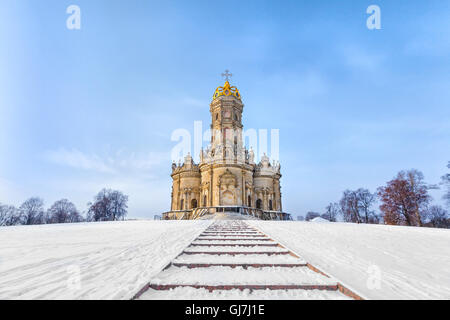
(366, 200)
(311, 215)
(63, 211)
(404, 199)
(4, 214)
(119, 205)
(108, 205)
(349, 206)
(32, 211)
(9, 215)
(446, 182)
(355, 206)
(332, 212)
(438, 217)
(75, 217)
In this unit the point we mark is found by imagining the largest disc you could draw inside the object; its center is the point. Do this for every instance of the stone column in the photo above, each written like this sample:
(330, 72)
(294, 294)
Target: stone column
(210, 186)
(243, 189)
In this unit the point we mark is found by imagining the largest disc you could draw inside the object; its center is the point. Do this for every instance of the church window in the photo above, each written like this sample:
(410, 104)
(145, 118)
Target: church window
(182, 204)
(249, 199)
(217, 116)
(204, 200)
(270, 205)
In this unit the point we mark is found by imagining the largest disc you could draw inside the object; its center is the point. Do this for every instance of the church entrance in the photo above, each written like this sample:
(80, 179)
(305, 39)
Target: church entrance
(194, 203)
(259, 204)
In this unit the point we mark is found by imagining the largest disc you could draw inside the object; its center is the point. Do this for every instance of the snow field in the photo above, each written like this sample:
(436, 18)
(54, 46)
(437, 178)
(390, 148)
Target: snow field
(107, 260)
(377, 261)
(114, 260)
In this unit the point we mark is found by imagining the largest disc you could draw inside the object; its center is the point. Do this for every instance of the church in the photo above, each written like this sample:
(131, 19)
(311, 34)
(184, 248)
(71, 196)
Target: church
(226, 179)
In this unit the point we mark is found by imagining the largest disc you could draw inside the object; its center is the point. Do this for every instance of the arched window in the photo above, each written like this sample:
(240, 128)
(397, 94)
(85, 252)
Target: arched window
(270, 205)
(217, 116)
(204, 200)
(258, 204)
(182, 204)
(249, 199)
(193, 203)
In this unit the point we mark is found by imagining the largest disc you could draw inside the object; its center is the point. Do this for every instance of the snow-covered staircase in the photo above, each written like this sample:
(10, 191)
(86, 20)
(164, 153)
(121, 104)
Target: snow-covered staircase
(231, 260)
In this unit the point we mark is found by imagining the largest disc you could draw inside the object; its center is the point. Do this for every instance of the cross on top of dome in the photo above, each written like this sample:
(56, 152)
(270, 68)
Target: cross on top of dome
(227, 75)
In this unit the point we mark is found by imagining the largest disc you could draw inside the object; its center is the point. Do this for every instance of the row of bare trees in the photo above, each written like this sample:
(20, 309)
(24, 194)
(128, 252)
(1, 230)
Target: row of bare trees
(404, 200)
(32, 212)
(108, 205)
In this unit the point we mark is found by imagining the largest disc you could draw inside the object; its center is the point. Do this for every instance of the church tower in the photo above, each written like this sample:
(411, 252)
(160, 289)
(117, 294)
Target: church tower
(226, 124)
(227, 178)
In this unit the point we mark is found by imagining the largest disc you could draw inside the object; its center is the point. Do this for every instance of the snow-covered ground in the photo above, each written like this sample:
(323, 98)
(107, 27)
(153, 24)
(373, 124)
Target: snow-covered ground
(113, 260)
(319, 220)
(109, 260)
(378, 261)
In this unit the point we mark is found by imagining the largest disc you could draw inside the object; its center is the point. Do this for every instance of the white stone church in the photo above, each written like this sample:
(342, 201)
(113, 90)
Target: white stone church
(227, 179)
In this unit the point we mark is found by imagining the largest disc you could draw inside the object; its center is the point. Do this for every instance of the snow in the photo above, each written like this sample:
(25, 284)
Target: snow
(377, 261)
(258, 269)
(231, 238)
(203, 294)
(247, 259)
(228, 241)
(319, 220)
(235, 249)
(116, 259)
(213, 276)
(113, 259)
(227, 216)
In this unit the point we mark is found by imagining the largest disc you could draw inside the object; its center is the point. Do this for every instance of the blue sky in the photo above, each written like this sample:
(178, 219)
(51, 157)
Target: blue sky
(85, 109)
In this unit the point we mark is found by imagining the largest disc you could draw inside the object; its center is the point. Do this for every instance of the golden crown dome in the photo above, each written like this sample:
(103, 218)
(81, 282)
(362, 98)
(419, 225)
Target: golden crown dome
(227, 90)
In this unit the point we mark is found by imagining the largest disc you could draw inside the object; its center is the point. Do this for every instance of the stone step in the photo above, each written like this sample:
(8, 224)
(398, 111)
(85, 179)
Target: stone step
(181, 293)
(223, 276)
(235, 265)
(249, 248)
(240, 257)
(233, 253)
(234, 239)
(234, 245)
